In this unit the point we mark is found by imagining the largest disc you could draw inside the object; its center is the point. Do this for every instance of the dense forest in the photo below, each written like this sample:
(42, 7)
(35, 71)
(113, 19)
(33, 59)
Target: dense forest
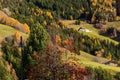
(50, 49)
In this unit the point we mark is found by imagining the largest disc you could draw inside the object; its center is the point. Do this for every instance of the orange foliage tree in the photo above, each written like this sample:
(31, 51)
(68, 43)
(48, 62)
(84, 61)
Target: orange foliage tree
(14, 23)
(26, 28)
(17, 36)
(58, 39)
(68, 44)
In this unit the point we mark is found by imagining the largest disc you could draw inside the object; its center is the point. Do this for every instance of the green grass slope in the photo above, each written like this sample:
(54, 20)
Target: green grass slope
(88, 60)
(85, 58)
(7, 31)
(94, 32)
(115, 24)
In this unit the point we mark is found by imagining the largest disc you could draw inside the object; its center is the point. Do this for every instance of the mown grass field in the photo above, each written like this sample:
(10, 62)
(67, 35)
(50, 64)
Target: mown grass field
(7, 31)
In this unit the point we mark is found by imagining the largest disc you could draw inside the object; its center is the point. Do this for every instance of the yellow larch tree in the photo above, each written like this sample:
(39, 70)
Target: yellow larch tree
(26, 28)
(48, 13)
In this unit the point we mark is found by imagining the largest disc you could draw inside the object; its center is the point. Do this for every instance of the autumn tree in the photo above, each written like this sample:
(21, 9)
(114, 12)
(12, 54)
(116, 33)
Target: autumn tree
(26, 28)
(37, 41)
(49, 15)
(58, 39)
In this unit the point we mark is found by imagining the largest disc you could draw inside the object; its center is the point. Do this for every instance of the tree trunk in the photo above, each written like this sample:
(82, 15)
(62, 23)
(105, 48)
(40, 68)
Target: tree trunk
(118, 7)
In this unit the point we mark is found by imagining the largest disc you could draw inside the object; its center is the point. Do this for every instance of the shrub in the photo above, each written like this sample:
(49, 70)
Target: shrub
(77, 22)
(117, 76)
(12, 55)
(99, 74)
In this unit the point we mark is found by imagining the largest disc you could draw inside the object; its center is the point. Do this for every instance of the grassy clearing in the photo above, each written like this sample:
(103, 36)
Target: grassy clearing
(94, 32)
(88, 60)
(92, 58)
(7, 31)
(114, 24)
(85, 57)
(70, 24)
(94, 64)
(93, 35)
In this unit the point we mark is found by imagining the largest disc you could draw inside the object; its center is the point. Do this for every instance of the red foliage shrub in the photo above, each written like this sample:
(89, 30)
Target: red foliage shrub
(50, 66)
